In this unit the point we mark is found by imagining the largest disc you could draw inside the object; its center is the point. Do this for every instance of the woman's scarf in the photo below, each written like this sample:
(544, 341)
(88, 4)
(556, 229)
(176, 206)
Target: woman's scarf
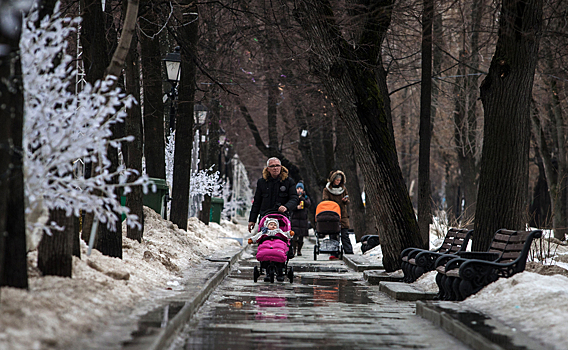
(334, 190)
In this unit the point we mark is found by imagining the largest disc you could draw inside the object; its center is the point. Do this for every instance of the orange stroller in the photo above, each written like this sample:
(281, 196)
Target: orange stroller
(328, 222)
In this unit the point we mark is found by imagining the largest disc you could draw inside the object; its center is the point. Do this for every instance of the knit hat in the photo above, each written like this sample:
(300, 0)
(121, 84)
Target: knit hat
(301, 185)
(269, 220)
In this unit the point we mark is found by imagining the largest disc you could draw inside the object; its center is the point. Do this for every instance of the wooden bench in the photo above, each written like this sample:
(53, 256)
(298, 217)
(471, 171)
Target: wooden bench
(416, 262)
(459, 277)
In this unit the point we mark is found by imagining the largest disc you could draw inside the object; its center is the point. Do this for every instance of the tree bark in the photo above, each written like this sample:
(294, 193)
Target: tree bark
(184, 130)
(356, 83)
(93, 39)
(503, 179)
(119, 56)
(553, 170)
(12, 223)
(468, 155)
(210, 155)
(154, 144)
(346, 162)
(76, 238)
(424, 192)
(95, 60)
(133, 124)
(55, 251)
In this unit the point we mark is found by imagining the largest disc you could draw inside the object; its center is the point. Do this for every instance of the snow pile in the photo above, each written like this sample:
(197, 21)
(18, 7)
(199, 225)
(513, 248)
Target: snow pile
(55, 311)
(427, 282)
(533, 303)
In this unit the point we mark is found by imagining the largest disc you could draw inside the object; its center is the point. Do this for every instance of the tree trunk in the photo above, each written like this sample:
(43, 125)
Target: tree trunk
(305, 146)
(540, 208)
(133, 124)
(154, 144)
(503, 179)
(109, 241)
(211, 155)
(468, 161)
(553, 170)
(95, 60)
(184, 130)
(128, 28)
(346, 162)
(424, 192)
(12, 223)
(360, 94)
(76, 238)
(55, 251)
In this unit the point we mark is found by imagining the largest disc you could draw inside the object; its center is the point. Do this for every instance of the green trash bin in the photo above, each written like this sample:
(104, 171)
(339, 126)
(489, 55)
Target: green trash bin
(157, 200)
(216, 209)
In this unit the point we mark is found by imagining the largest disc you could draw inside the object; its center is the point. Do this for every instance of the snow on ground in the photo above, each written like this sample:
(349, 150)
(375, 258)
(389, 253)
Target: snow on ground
(56, 310)
(534, 302)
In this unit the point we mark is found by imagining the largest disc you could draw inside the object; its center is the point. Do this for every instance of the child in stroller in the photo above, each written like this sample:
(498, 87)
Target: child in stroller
(328, 222)
(273, 251)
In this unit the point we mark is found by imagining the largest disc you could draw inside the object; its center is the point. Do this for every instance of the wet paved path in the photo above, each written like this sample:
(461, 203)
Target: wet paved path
(334, 309)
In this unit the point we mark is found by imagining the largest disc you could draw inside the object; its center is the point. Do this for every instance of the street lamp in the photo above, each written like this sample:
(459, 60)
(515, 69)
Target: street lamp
(173, 65)
(199, 114)
(222, 136)
(173, 70)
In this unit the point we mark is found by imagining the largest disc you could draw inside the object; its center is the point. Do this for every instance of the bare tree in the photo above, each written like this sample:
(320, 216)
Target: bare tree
(152, 81)
(12, 224)
(424, 194)
(355, 80)
(505, 92)
(187, 38)
(133, 125)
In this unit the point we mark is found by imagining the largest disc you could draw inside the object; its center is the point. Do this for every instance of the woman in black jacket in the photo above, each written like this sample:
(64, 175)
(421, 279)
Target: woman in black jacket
(300, 219)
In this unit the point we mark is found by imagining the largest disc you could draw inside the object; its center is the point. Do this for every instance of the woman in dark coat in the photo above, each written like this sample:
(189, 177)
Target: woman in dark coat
(300, 219)
(336, 191)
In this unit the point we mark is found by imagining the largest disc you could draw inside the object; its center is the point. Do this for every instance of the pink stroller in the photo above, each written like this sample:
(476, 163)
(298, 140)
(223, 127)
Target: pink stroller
(273, 252)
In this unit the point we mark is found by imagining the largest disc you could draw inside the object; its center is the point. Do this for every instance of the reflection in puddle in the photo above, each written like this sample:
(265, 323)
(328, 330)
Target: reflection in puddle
(271, 308)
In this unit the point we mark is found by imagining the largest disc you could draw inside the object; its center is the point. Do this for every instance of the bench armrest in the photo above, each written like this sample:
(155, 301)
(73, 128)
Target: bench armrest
(427, 259)
(454, 264)
(410, 252)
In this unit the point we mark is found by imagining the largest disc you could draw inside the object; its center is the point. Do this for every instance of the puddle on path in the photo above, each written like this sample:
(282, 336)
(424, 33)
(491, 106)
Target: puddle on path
(327, 312)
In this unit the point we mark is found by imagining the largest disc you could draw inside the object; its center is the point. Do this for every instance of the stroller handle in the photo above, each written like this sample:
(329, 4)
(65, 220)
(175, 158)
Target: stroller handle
(275, 211)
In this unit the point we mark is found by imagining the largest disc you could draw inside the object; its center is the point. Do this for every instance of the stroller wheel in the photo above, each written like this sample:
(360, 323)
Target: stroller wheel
(291, 274)
(270, 272)
(256, 274)
(315, 253)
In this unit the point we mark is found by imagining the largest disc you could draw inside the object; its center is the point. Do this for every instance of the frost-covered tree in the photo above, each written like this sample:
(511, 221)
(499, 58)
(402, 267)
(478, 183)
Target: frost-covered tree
(61, 127)
(202, 182)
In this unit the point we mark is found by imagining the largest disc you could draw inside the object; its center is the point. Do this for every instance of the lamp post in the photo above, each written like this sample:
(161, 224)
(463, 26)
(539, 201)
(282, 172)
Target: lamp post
(173, 70)
(222, 152)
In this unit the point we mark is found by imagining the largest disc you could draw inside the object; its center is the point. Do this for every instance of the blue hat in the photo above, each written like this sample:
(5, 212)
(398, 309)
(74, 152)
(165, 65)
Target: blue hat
(300, 185)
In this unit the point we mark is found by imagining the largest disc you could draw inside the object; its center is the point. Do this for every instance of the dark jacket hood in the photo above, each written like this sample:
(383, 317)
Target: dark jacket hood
(283, 173)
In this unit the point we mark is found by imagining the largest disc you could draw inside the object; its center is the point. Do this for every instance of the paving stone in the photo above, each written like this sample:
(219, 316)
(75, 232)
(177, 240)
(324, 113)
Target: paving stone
(404, 291)
(474, 328)
(377, 276)
(361, 263)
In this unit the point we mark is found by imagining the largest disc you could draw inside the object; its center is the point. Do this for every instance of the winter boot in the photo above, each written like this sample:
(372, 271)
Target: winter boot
(300, 244)
(294, 245)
